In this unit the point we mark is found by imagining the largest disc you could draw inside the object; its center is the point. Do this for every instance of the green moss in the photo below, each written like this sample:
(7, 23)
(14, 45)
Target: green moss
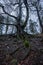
(26, 43)
(14, 62)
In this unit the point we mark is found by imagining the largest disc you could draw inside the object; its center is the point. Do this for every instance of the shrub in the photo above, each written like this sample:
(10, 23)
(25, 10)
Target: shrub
(26, 43)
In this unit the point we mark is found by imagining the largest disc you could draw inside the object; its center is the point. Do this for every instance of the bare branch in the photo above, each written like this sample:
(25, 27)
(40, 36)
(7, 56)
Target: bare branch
(8, 24)
(7, 12)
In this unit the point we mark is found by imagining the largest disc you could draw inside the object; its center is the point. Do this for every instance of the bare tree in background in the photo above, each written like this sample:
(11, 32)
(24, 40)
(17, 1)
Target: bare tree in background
(12, 6)
(36, 4)
(19, 3)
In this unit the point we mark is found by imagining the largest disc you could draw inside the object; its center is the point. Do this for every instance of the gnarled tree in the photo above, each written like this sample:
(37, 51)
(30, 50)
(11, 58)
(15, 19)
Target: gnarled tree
(19, 5)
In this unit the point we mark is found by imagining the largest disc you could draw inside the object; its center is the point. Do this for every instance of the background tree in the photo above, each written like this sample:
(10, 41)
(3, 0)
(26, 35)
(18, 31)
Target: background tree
(33, 26)
(19, 4)
(39, 9)
(17, 15)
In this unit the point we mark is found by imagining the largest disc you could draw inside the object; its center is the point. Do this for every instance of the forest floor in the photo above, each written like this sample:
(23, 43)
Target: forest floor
(14, 52)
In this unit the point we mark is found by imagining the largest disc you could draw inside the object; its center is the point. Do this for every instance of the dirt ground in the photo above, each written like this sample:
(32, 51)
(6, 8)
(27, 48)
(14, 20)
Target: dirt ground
(13, 51)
